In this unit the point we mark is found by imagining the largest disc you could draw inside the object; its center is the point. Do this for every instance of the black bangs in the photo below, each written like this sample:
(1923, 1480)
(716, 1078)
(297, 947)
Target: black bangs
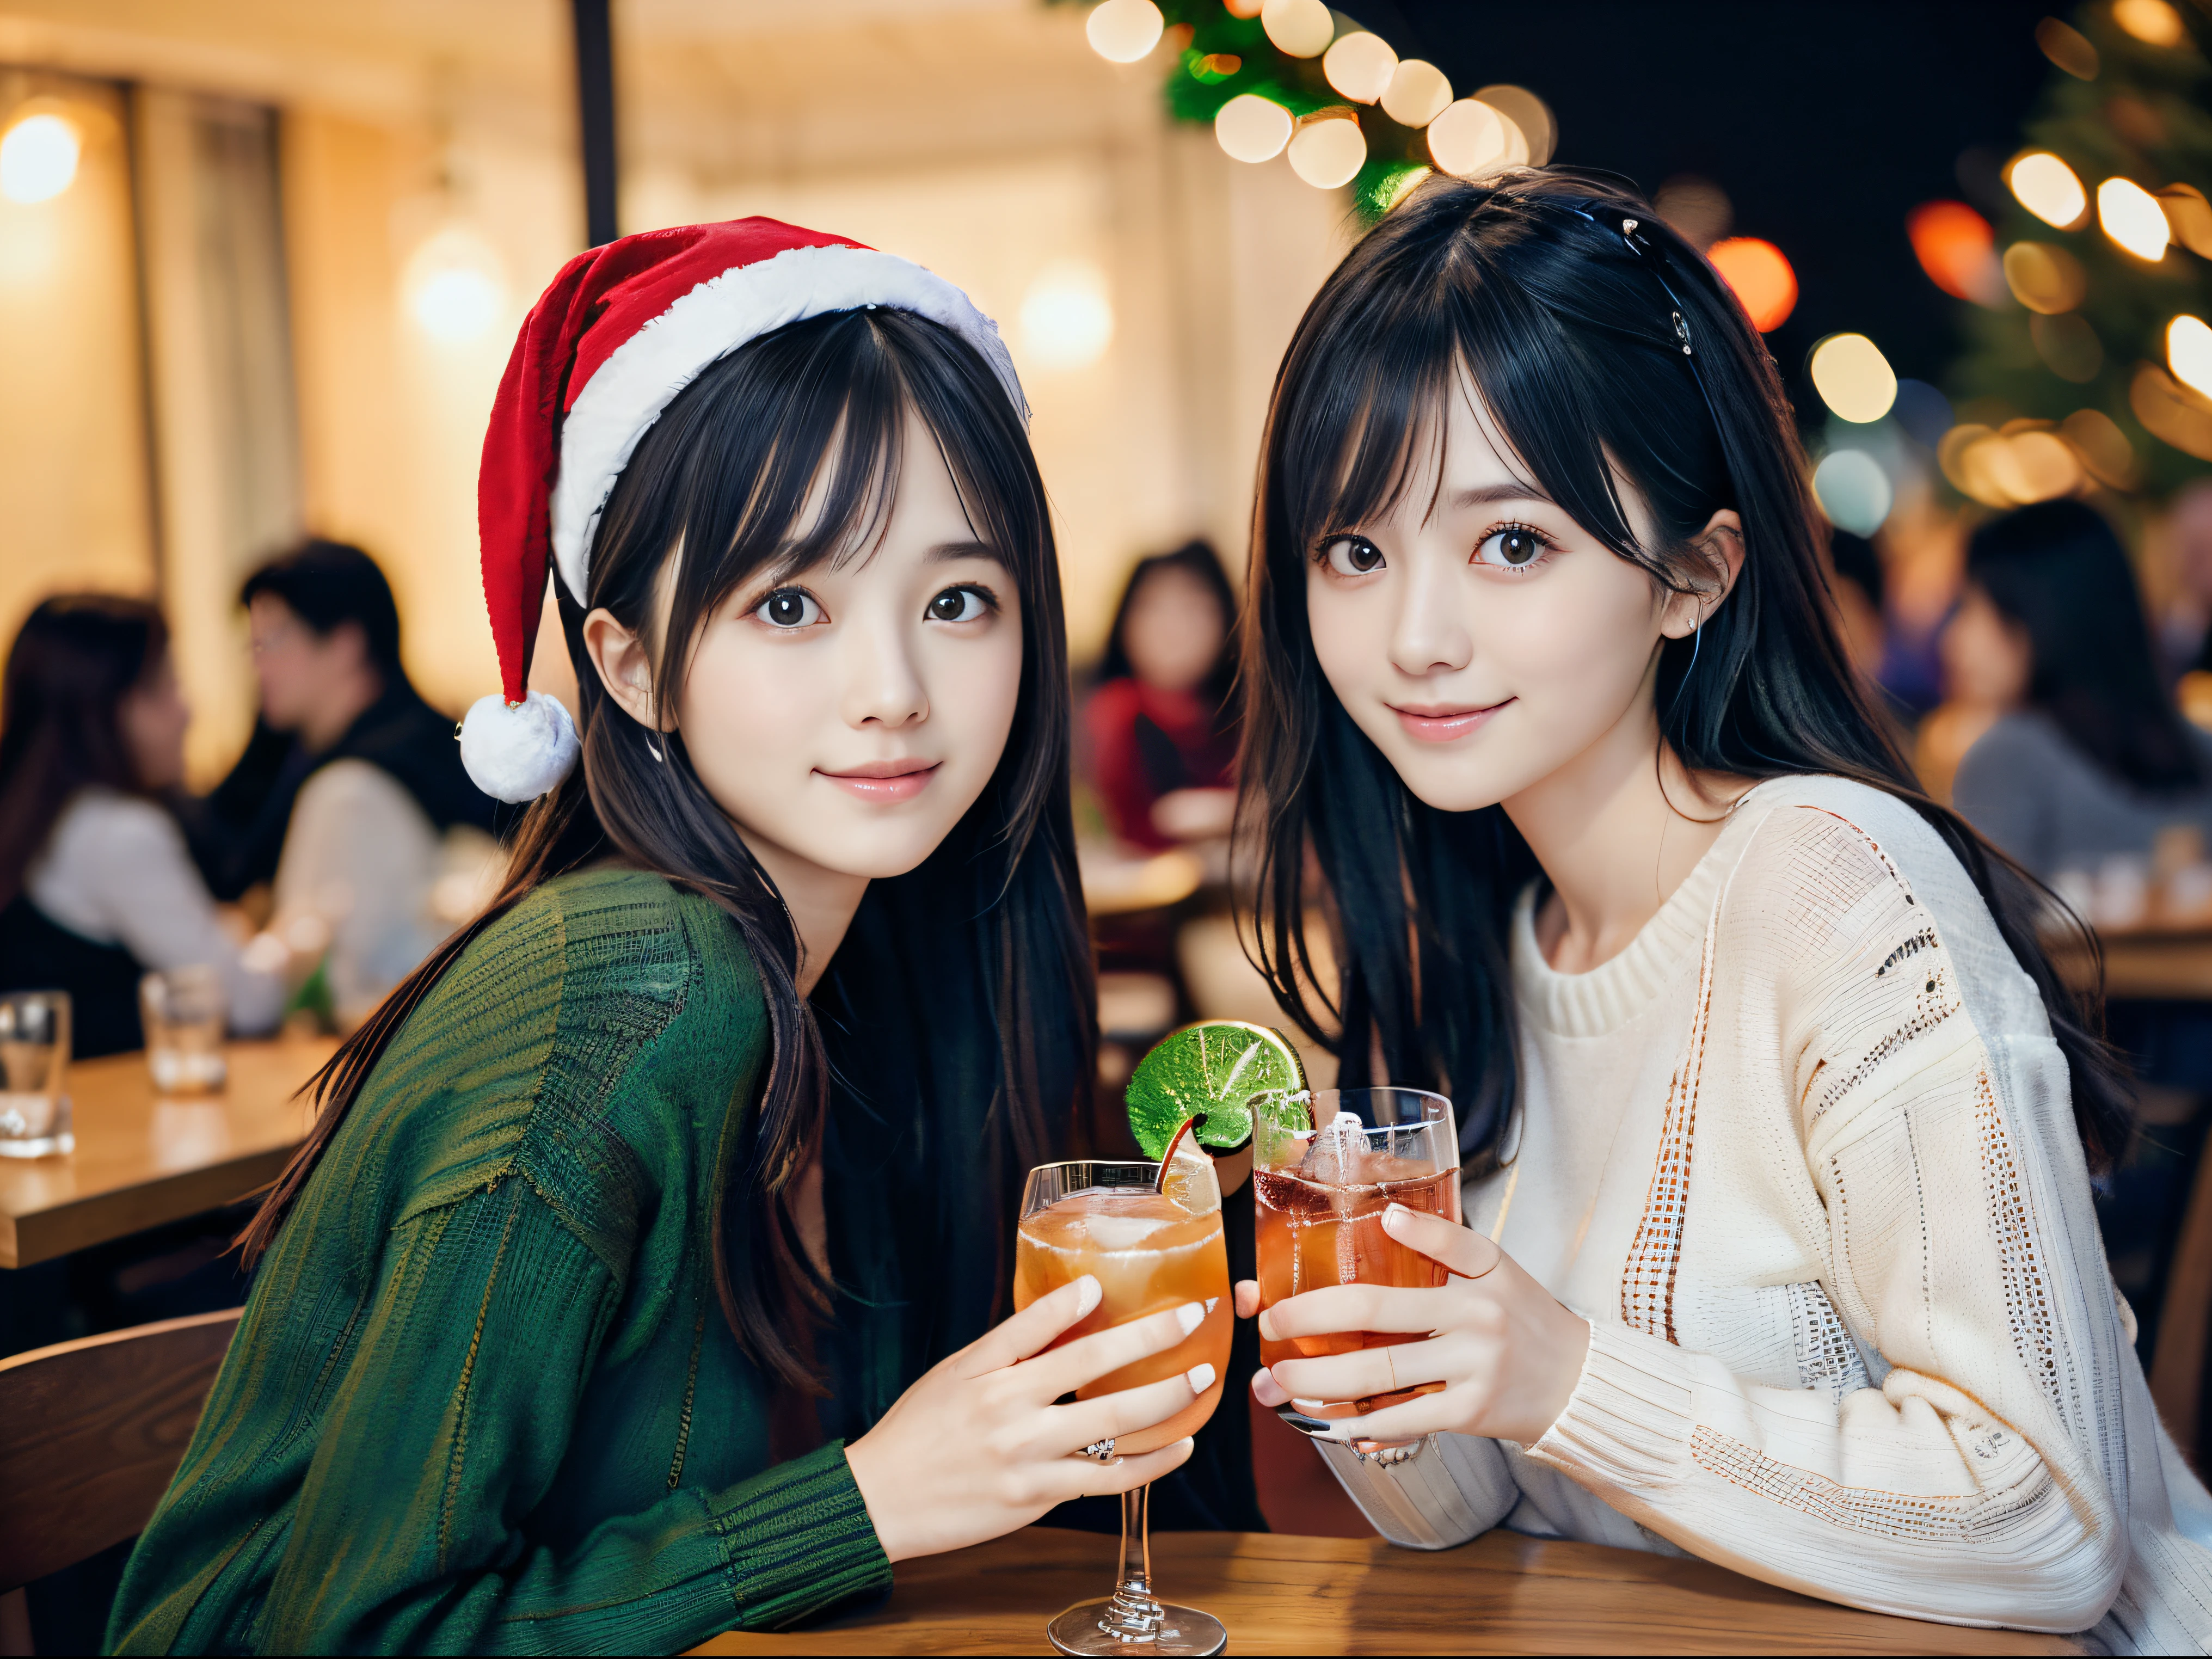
(1566, 340)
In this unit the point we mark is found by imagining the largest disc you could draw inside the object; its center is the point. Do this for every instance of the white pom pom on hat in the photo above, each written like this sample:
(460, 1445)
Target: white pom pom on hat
(517, 752)
(621, 330)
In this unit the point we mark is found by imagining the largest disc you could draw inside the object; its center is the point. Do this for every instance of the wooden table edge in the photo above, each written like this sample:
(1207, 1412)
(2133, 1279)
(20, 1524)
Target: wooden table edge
(44, 1235)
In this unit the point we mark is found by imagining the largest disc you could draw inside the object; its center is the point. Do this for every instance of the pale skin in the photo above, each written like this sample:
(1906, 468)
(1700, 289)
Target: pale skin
(314, 684)
(153, 717)
(845, 719)
(1497, 653)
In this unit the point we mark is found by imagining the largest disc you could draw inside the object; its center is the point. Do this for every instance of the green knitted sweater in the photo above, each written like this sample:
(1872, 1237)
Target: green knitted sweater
(483, 1398)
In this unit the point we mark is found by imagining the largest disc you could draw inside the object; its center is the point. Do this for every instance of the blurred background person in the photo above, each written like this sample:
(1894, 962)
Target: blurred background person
(2184, 627)
(2085, 759)
(96, 884)
(2091, 778)
(1162, 745)
(350, 798)
(1858, 584)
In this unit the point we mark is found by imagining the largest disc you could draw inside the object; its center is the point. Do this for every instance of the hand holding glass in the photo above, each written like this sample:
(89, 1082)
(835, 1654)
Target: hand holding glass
(1149, 1250)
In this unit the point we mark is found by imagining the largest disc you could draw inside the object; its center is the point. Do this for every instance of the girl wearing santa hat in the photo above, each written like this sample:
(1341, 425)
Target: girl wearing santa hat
(637, 1280)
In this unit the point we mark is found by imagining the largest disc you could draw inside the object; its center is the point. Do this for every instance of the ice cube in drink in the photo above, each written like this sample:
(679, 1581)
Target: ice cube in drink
(1148, 1255)
(1321, 1223)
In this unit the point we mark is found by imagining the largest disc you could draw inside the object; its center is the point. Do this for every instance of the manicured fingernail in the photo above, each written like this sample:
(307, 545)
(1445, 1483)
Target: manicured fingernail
(1190, 1316)
(1267, 1323)
(1394, 1216)
(1200, 1377)
(1087, 1295)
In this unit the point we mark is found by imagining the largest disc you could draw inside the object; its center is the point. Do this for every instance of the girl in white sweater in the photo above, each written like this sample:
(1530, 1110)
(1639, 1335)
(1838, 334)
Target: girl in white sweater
(1778, 1128)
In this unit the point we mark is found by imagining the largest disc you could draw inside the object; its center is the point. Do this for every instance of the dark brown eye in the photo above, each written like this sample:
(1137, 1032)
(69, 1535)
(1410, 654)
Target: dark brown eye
(958, 604)
(1354, 555)
(789, 607)
(1514, 548)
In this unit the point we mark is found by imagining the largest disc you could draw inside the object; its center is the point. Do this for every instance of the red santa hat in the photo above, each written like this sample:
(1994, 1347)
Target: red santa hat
(623, 329)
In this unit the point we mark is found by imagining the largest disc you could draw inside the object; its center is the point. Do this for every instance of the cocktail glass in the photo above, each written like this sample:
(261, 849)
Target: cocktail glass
(1326, 1163)
(1150, 1251)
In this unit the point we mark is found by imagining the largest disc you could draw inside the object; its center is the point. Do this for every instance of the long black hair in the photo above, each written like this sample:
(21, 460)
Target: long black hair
(2058, 570)
(76, 657)
(1569, 304)
(963, 994)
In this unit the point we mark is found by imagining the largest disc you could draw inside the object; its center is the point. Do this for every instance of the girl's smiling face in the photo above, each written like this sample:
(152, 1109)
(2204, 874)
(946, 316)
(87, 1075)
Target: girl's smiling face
(846, 716)
(1475, 632)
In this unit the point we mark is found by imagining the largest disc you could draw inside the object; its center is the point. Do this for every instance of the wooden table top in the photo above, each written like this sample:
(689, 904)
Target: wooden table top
(1501, 1594)
(142, 1160)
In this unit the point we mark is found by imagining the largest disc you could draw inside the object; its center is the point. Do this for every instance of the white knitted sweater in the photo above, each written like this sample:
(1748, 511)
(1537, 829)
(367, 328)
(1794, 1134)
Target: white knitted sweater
(1804, 1156)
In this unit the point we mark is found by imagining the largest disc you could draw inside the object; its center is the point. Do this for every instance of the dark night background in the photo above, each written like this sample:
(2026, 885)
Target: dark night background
(1826, 125)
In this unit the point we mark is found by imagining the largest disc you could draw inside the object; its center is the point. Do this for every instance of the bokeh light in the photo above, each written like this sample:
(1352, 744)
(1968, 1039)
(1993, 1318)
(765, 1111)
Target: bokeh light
(1251, 128)
(1761, 277)
(1067, 317)
(2044, 277)
(2103, 449)
(1853, 378)
(1853, 490)
(1526, 111)
(2171, 412)
(1922, 411)
(2189, 217)
(2070, 348)
(2068, 47)
(1328, 151)
(1124, 31)
(1957, 249)
(2151, 21)
(2026, 461)
(1698, 209)
(1299, 28)
(1417, 95)
(38, 158)
(2132, 217)
(456, 286)
(2048, 188)
(1470, 139)
(2189, 352)
(1360, 66)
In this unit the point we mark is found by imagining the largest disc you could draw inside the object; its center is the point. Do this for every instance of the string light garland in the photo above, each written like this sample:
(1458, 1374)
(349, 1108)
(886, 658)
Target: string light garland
(1292, 79)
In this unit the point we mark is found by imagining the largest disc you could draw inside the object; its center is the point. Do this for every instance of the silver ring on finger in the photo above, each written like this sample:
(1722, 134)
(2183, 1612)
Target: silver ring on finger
(1100, 1451)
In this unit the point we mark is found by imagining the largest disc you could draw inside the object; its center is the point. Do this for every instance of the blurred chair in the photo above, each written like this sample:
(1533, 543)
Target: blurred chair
(90, 1433)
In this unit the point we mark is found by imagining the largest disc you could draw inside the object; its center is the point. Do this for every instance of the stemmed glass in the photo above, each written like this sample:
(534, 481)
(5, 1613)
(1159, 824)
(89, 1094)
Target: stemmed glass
(1326, 1165)
(1150, 1250)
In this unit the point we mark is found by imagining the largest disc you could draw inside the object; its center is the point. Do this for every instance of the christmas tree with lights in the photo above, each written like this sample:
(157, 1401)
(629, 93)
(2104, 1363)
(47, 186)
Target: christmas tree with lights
(2097, 333)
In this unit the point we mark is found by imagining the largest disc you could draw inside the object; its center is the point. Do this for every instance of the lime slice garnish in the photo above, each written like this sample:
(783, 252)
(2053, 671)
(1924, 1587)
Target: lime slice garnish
(1186, 1177)
(1214, 1066)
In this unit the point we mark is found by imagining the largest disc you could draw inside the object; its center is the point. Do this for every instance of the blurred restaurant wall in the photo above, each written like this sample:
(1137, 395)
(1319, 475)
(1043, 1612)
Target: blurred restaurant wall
(278, 290)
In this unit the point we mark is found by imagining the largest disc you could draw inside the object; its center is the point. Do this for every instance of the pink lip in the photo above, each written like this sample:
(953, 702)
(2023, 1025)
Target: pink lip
(1441, 723)
(885, 780)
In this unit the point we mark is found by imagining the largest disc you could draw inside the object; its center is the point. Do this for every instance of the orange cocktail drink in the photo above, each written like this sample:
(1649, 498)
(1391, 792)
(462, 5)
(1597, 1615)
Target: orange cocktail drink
(1325, 1168)
(1149, 1254)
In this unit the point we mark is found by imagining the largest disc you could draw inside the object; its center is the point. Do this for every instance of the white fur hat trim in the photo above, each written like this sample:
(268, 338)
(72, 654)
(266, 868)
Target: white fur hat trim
(518, 752)
(643, 374)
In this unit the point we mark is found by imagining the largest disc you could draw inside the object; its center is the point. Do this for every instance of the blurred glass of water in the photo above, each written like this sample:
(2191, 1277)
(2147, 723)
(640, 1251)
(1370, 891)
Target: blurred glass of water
(183, 1010)
(34, 1053)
